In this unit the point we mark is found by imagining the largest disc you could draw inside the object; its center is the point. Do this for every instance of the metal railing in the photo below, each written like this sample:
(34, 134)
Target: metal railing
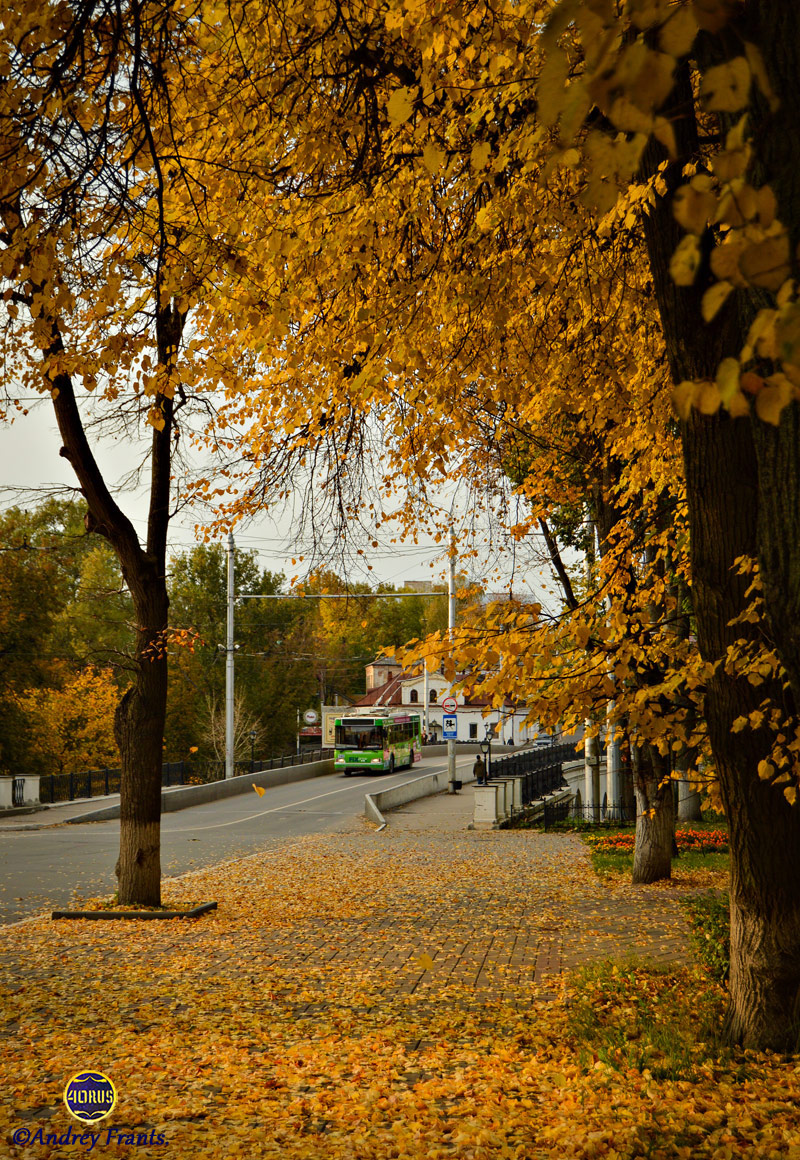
(67, 787)
(604, 815)
(608, 817)
(541, 770)
(18, 791)
(307, 755)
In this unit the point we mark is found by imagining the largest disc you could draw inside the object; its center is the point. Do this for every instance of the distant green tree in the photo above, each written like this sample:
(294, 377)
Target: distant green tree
(62, 607)
(292, 654)
(95, 626)
(272, 680)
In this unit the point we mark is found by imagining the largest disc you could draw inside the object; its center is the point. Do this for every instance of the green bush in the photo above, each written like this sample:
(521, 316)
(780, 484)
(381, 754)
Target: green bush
(709, 915)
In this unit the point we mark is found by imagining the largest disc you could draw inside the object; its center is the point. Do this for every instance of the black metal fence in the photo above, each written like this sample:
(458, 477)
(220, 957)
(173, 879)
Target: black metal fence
(601, 816)
(287, 759)
(18, 791)
(541, 770)
(66, 787)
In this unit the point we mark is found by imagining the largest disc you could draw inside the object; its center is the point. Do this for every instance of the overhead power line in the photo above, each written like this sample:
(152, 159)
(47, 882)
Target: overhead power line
(338, 595)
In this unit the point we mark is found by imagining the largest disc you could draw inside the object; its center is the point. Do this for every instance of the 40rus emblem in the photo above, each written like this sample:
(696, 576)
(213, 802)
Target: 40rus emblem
(90, 1096)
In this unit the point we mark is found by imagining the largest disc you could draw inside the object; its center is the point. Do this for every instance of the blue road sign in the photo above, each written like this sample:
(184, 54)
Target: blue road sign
(450, 727)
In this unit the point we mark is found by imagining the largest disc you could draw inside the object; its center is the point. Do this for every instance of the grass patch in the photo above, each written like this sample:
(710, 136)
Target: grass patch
(709, 916)
(664, 1021)
(611, 865)
(612, 849)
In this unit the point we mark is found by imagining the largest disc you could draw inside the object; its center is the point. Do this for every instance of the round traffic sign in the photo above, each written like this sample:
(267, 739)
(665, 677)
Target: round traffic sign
(310, 716)
(449, 704)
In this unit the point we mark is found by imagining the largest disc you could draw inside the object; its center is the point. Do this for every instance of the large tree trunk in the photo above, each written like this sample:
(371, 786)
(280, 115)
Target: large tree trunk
(742, 487)
(764, 830)
(655, 816)
(140, 716)
(139, 732)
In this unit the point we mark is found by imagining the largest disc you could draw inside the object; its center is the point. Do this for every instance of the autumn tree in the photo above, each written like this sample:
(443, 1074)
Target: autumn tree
(71, 725)
(102, 253)
(383, 204)
(28, 604)
(63, 610)
(273, 678)
(712, 91)
(96, 625)
(434, 256)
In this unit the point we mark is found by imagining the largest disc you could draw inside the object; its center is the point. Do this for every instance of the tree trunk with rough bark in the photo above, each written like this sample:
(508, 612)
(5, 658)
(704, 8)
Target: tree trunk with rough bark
(743, 486)
(655, 817)
(140, 716)
(689, 799)
(139, 732)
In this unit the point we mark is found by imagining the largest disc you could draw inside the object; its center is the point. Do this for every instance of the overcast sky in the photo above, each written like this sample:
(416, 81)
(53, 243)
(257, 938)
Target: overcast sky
(29, 459)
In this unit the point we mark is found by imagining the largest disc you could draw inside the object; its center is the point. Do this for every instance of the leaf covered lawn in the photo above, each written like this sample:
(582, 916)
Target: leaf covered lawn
(370, 997)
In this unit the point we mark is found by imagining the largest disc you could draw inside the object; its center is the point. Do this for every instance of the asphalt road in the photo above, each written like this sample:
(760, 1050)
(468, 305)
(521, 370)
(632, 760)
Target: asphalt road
(56, 867)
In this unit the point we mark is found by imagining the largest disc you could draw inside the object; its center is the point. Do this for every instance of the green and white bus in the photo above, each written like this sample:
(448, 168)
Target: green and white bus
(369, 744)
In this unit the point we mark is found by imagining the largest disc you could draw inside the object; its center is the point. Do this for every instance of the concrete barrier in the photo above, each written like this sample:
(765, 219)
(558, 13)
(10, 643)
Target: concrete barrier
(407, 791)
(491, 810)
(182, 797)
(485, 809)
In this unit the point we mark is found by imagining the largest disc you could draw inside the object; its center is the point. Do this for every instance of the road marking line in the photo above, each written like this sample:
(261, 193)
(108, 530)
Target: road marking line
(274, 810)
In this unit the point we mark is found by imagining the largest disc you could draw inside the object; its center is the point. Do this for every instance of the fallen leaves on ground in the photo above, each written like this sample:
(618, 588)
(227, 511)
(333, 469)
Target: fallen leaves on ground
(363, 998)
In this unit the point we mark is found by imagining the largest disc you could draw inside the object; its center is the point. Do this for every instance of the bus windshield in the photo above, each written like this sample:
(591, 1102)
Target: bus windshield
(359, 735)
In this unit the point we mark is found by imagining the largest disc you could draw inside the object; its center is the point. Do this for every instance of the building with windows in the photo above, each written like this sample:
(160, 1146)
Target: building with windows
(415, 691)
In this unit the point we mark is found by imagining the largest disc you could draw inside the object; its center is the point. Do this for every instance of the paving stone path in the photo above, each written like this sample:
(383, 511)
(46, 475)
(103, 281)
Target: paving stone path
(502, 912)
(423, 912)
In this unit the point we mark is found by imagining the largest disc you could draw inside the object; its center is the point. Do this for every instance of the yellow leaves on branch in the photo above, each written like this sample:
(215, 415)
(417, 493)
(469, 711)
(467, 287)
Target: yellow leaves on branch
(775, 336)
(685, 262)
(714, 299)
(155, 417)
(695, 204)
(679, 31)
(725, 88)
(400, 106)
(433, 158)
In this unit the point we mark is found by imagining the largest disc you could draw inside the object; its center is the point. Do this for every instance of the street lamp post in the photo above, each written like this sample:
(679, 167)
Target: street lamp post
(486, 750)
(230, 648)
(252, 749)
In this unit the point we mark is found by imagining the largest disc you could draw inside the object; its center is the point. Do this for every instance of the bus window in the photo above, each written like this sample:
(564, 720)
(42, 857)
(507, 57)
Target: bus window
(359, 735)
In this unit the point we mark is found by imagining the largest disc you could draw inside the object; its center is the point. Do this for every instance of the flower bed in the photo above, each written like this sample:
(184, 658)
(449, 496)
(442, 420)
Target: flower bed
(700, 841)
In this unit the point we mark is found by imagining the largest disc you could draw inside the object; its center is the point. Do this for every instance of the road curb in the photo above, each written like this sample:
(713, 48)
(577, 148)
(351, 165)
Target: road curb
(407, 791)
(183, 797)
(111, 915)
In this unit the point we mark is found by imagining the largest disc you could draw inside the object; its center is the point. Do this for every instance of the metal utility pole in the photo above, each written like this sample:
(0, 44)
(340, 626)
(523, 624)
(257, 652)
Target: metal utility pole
(229, 649)
(425, 698)
(451, 625)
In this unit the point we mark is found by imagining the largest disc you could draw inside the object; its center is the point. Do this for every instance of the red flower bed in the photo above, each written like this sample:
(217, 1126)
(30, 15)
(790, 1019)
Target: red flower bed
(703, 841)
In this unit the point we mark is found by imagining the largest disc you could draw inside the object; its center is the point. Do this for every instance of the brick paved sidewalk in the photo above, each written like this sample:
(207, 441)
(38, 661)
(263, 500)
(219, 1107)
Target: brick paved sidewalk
(529, 908)
(499, 914)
